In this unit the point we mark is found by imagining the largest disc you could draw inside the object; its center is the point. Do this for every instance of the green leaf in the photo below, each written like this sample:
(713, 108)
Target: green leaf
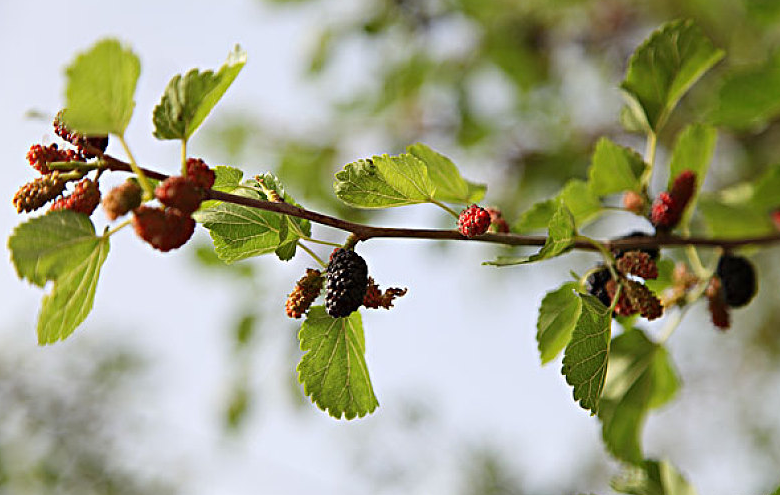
(189, 99)
(580, 200)
(241, 232)
(333, 369)
(536, 217)
(586, 355)
(72, 296)
(693, 151)
(384, 182)
(665, 66)
(583, 204)
(100, 88)
(560, 236)
(732, 221)
(45, 247)
(558, 315)
(640, 377)
(446, 179)
(751, 97)
(614, 169)
(765, 195)
(652, 478)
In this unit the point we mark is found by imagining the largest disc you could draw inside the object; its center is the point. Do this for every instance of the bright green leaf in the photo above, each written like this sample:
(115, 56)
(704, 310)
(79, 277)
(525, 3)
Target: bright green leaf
(558, 314)
(72, 296)
(536, 217)
(639, 377)
(384, 182)
(652, 478)
(189, 99)
(586, 355)
(765, 194)
(693, 152)
(614, 169)
(45, 247)
(580, 200)
(241, 232)
(733, 221)
(751, 97)
(100, 88)
(666, 65)
(583, 204)
(560, 236)
(445, 177)
(333, 369)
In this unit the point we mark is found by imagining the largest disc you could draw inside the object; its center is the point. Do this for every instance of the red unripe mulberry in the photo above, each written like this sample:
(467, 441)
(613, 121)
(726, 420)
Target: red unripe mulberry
(84, 198)
(473, 221)
(200, 173)
(164, 229)
(180, 193)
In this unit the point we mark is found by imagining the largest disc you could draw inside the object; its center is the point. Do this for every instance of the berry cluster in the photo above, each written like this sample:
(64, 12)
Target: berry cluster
(738, 278)
(637, 263)
(474, 221)
(40, 157)
(347, 283)
(497, 221)
(84, 198)
(668, 208)
(305, 292)
(171, 225)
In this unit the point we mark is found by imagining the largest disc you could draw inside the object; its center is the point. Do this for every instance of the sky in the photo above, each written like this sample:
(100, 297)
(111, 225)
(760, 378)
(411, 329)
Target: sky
(460, 345)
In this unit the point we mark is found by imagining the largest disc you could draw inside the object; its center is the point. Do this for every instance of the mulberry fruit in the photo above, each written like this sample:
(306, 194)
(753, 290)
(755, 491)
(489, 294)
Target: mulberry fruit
(637, 263)
(200, 173)
(473, 221)
(719, 310)
(306, 291)
(79, 140)
(164, 229)
(84, 198)
(738, 278)
(37, 193)
(668, 208)
(347, 283)
(122, 199)
(180, 193)
(597, 282)
(376, 299)
(41, 156)
(642, 299)
(633, 202)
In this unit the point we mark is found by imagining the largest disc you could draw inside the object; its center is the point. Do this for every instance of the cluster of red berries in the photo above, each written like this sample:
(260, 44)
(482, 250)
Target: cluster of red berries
(170, 226)
(669, 206)
(40, 156)
(84, 198)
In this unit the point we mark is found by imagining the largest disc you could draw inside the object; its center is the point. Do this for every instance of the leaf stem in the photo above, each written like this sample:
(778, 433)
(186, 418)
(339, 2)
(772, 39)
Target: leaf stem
(312, 254)
(118, 228)
(184, 158)
(445, 208)
(652, 144)
(318, 241)
(145, 184)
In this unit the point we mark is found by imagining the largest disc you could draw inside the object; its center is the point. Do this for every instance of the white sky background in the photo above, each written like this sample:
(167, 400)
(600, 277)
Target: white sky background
(462, 340)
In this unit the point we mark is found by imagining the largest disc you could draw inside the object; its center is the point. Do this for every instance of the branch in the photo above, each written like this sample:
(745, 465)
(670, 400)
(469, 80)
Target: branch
(364, 232)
